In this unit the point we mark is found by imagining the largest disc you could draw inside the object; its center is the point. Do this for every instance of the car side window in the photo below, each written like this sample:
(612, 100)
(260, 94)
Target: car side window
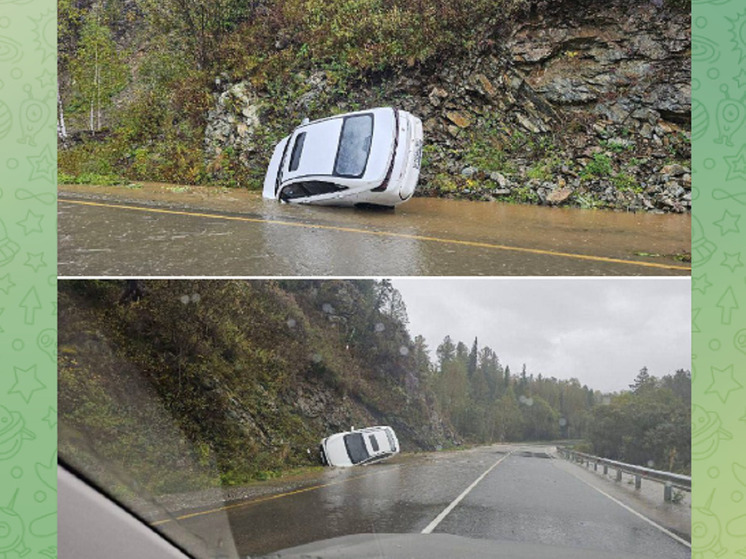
(309, 188)
(374, 443)
(297, 150)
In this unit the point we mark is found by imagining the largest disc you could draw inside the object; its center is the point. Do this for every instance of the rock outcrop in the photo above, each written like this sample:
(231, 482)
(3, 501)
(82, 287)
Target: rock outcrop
(232, 123)
(579, 103)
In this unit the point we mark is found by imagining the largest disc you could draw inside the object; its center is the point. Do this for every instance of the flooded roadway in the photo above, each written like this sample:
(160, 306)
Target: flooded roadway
(160, 230)
(524, 496)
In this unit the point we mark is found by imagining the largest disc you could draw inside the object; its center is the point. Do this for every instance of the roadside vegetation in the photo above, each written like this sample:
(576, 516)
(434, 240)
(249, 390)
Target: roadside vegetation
(193, 384)
(139, 76)
(200, 92)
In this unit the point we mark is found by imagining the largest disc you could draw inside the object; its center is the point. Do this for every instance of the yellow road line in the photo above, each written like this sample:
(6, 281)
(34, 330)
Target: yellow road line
(268, 498)
(475, 244)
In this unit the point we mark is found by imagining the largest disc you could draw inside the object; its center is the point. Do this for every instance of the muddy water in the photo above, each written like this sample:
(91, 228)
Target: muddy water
(173, 230)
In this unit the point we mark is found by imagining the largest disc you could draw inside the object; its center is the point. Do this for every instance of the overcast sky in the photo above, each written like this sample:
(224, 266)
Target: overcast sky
(601, 331)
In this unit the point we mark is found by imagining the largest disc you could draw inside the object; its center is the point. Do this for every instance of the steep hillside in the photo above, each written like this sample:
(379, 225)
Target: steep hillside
(564, 102)
(195, 384)
(246, 376)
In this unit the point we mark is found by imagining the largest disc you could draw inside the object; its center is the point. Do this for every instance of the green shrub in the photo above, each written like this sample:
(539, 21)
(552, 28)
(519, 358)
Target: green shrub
(598, 167)
(626, 183)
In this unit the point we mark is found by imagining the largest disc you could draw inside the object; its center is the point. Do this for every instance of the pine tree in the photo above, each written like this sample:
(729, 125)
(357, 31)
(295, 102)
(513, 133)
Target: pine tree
(446, 352)
(472, 365)
(643, 381)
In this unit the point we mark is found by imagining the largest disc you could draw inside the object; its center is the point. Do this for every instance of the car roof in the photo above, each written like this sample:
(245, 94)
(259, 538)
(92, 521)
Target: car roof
(322, 140)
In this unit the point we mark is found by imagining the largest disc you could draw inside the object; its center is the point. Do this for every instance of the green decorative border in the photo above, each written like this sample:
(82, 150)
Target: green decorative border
(718, 278)
(28, 278)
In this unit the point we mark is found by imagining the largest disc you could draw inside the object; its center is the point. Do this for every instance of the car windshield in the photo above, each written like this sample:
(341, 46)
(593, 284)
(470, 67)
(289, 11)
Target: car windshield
(355, 446)
(354, 146)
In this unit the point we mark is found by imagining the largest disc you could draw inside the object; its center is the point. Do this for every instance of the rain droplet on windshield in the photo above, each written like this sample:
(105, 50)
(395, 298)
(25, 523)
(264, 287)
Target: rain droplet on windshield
(379, 327)
(327, 308)
(184, 299)
(291, 323)
(404, 350)
(316, 358)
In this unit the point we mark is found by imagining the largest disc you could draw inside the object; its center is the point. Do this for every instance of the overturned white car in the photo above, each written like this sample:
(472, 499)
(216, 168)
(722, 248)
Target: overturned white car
(359, 446)
(367, 157)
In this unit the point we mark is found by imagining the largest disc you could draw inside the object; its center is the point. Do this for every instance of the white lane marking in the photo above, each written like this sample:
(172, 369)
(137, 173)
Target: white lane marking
(438, 519)
(645, 518)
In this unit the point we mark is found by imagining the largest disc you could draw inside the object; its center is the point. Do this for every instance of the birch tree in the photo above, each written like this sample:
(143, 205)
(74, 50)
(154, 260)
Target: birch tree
(98, 69)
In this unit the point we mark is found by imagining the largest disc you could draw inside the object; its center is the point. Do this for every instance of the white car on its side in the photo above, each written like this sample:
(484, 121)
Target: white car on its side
(359, 446)
(369, 157)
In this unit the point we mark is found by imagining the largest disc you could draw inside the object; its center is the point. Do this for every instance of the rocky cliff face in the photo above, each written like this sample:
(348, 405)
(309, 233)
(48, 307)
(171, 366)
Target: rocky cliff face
(580, 103)
(245, 375)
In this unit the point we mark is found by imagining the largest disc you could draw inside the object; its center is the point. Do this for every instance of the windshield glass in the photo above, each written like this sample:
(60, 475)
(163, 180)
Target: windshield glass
(354, 146)
(355, 446)
(200, 406)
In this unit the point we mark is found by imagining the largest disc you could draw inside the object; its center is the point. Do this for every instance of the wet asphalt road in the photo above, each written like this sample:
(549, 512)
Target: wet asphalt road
(526, 497)
(154, 231)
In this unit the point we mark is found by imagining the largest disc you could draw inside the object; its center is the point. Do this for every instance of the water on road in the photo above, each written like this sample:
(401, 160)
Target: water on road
(158, 230)
(523, 495)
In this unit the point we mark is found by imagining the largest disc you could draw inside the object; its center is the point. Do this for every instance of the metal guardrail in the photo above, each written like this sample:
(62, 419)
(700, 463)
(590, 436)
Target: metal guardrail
(668, 479)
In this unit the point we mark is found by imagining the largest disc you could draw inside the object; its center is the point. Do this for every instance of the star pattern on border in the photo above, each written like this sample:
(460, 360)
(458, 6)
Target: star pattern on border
(732, 261)
(736, 165)
(723, 383)
(42, 165)
(27, 383)
(701, 284)
(31, 223)
(46, 79)
(728, 223)
(6, 284)
(51, 418)
(35, 261)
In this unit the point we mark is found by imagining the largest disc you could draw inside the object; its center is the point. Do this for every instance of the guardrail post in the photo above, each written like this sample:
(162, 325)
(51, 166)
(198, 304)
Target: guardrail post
(595, 466)
(667, 493)
(606, 469)
(638, 482)
(618, 474)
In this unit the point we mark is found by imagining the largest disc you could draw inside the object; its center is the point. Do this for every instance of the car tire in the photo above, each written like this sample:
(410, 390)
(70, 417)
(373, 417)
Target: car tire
(322, 454)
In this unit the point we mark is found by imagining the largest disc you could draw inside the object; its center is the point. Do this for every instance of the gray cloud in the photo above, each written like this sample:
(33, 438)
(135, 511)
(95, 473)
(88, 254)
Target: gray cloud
(599, 330)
